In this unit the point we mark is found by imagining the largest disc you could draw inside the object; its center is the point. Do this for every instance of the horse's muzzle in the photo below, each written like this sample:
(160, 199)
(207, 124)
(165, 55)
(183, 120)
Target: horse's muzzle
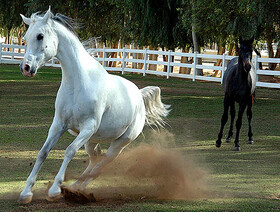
(27, 70)
(247, 65)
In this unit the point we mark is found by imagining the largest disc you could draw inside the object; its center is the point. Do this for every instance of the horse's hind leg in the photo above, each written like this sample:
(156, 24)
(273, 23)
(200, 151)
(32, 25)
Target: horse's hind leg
(223, 121)
(93, 150)
(249, 116)
(114, 150)
(232, 116)
(116, 147)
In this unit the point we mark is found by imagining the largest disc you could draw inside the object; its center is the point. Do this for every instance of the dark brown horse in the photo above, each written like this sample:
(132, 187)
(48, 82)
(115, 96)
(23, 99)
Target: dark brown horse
(239, 83)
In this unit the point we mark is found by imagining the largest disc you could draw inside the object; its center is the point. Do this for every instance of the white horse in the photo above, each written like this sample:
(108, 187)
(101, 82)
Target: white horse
(91, 104)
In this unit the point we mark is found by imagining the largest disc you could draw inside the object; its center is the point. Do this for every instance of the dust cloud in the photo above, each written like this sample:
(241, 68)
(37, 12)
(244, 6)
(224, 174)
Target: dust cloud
(152, 170)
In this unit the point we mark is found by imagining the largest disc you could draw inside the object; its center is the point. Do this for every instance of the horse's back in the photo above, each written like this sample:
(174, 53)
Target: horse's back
(229, 74)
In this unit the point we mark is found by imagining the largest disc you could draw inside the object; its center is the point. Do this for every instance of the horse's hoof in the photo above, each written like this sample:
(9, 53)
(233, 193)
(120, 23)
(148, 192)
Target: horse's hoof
(228, 140)
(218, 144)
(237, 148)
(250, 141)
(25, 199)
(54, 197)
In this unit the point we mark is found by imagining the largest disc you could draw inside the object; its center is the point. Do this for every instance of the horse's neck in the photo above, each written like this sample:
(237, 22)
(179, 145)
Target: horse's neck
(242, 74)
(248, 78)
(74, 59)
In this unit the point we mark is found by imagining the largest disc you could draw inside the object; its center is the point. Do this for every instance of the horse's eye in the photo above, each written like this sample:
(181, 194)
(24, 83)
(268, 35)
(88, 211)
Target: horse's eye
(40, 36)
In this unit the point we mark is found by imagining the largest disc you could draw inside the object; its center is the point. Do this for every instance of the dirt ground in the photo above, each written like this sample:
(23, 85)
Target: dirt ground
(142, 173)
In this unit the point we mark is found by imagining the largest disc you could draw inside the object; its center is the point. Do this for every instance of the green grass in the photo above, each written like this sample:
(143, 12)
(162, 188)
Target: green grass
(248, 180)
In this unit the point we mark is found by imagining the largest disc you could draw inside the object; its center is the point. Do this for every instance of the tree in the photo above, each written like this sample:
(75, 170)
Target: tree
(155, 23)
(267, 14)
(9, 16)
(190, 23)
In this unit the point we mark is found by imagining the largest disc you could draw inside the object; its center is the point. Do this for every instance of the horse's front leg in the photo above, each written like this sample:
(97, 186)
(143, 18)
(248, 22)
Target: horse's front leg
(55, 131)
(242, 107)
(232, 116)
(223, 120)
(249, 116)
(80, 140)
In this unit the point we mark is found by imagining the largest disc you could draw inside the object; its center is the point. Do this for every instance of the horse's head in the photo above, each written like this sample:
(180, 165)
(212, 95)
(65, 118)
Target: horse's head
(245, 53)
(42, 43)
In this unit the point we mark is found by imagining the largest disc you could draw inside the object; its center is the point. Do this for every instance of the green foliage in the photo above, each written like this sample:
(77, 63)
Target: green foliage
(161, 23)
(9, 13)
(157, 23)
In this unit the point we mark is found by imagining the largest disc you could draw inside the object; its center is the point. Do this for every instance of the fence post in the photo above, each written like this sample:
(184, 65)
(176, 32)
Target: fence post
(123, 60)
(104, 56)
(256, 67)
(0, 53)
(168, 64)
(145, 62)
(194, 64)
(13, 56)
(223, 67)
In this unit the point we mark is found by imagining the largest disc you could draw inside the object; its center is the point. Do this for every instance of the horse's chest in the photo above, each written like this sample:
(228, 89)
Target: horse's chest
(241, 91)
(73, 111)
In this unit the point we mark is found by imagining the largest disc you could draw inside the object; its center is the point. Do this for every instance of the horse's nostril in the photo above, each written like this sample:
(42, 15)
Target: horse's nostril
(26, 67)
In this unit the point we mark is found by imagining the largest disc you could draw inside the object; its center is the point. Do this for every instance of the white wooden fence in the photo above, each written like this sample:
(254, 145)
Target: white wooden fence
(126, 62)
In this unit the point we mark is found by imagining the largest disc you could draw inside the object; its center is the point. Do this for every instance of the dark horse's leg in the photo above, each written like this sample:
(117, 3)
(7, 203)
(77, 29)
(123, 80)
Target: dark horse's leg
(242, 107)
(232, 116)
(223, 120)
(249, 116)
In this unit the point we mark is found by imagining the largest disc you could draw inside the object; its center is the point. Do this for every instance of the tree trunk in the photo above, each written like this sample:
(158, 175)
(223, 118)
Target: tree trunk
(183, 70)
(196, 49)
(221, 50)
(270, 53)
(231, 49)
(189, 69)
(134, 65)
(19, 37)
(6, 42)
(140, 56)
(9, 39)
(113, 55)
(259, 54)
(164, 58)
(153, 57)
(272, 66)
(236, 48)
(102, 55)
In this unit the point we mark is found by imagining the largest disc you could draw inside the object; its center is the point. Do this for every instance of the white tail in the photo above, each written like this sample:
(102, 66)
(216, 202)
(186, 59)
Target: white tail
(155, 109)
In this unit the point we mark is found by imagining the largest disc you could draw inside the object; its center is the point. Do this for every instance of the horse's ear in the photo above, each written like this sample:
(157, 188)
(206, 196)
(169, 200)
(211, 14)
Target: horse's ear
(240, 39)
(25, 20)
(47, 15)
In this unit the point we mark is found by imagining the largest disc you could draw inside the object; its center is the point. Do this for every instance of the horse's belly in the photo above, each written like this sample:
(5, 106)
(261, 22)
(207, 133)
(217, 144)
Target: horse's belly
(112, 126)
(107, 132)
(104, 135)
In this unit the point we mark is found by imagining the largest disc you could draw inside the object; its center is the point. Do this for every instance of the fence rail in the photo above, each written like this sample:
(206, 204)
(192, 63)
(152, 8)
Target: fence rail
(140, 60)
